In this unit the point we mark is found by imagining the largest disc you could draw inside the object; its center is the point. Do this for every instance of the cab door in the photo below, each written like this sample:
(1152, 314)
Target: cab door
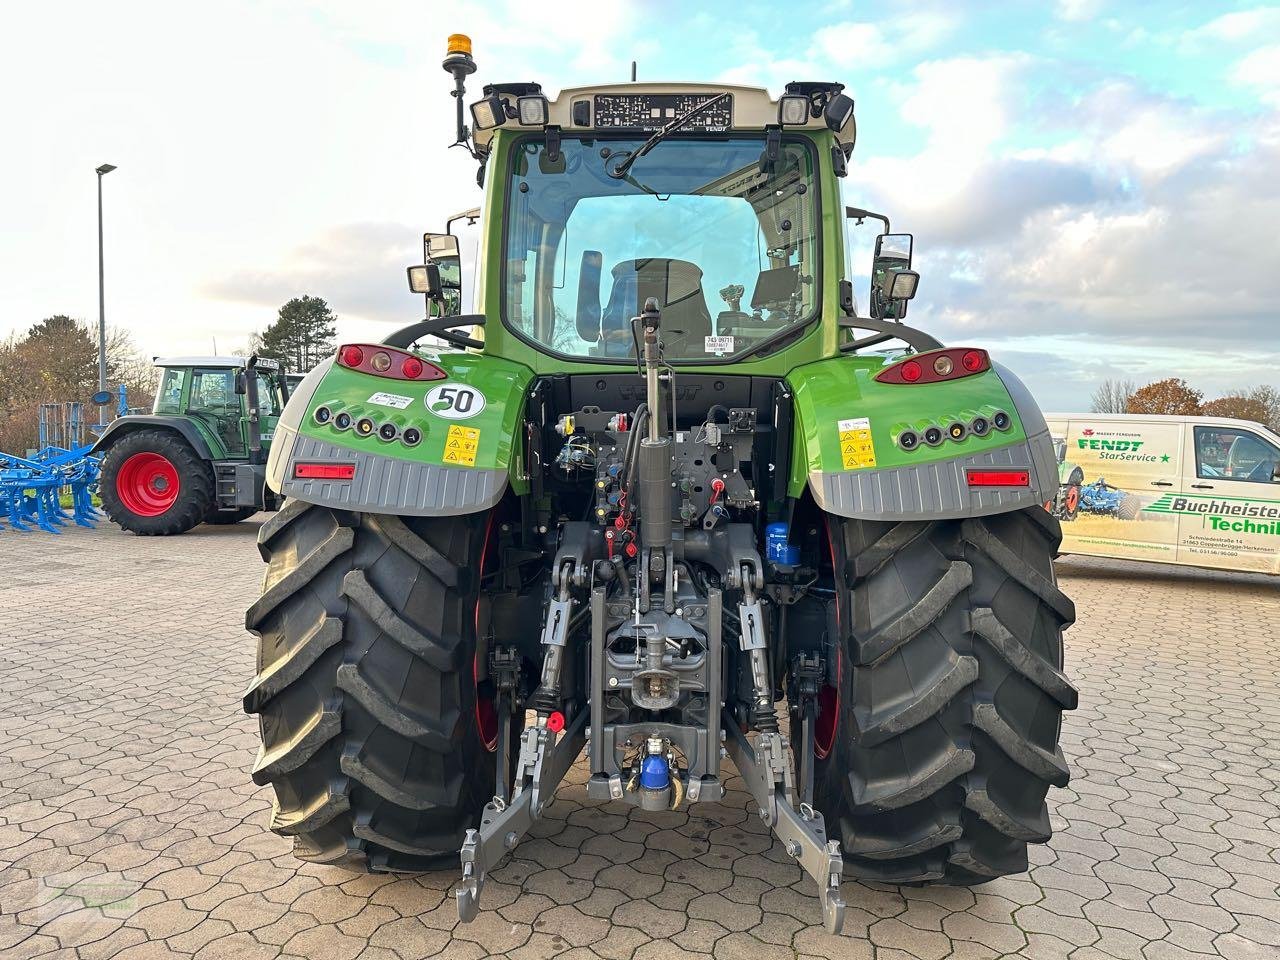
(1229, 512)
(213, 401)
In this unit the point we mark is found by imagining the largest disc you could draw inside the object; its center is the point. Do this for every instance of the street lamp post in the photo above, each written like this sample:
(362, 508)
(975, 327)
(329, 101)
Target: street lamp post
(102, 301)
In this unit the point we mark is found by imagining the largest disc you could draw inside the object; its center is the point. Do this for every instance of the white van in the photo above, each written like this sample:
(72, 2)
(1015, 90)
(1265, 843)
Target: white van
(1202, 491)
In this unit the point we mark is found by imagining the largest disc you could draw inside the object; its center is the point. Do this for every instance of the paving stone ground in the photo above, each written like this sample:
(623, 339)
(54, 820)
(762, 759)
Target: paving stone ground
(129, 827)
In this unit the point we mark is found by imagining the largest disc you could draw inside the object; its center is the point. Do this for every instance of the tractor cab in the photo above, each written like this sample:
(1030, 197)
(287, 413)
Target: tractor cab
(215, 393)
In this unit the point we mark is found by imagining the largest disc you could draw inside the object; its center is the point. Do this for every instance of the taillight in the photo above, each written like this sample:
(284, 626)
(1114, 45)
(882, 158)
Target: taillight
(324, 471)
(998, 478)
(936, 366)
(387, 362)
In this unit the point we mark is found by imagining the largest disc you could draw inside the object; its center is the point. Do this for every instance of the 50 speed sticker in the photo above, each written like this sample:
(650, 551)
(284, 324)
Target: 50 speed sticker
(455, 401)
(857, 450)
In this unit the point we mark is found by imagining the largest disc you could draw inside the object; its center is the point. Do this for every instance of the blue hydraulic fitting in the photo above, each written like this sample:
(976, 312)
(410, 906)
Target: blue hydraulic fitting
(654, 773)
(777, 549)
(655, 783)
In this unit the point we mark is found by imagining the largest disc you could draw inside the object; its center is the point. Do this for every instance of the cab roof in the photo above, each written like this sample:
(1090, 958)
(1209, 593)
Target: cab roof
(752, 107)
(211, 361)
(205, 361)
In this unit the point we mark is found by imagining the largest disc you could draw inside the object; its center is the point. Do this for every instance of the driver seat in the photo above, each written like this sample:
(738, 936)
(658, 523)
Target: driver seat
(677, 285)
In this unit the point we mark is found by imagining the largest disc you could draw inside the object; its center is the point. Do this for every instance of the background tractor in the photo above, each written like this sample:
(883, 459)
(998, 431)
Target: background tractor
(200, 455)
(656, 487)
(1066, 505)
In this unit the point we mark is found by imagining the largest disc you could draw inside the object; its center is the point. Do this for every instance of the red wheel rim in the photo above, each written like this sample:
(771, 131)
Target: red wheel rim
(1073, 498)
(824, 730)
(147, 484)
(486, 711)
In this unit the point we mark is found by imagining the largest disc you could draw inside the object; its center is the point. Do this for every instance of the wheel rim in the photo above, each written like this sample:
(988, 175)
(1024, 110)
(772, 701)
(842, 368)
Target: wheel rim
(486, 710)
(147, 484)
(1073, 498)
(824, 730)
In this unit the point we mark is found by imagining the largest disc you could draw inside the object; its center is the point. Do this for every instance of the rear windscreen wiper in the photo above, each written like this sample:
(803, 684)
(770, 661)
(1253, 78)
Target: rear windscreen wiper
(621, 170)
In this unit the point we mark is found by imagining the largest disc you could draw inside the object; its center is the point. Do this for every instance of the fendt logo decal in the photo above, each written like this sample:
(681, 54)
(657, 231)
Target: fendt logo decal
(1118, 449)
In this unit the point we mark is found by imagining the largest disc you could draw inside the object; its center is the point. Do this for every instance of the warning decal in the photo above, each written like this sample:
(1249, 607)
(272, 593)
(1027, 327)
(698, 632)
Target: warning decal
(460, 445)
(856, 447)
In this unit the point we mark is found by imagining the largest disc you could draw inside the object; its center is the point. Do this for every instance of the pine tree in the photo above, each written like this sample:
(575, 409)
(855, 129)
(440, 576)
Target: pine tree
(302, 334)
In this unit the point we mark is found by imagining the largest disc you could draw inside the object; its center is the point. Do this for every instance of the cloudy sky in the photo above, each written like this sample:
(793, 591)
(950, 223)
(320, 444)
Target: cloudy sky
(1094, 185)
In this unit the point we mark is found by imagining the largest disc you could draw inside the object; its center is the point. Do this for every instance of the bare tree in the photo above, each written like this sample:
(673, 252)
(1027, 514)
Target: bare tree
(1112, 396)
(1269, 398)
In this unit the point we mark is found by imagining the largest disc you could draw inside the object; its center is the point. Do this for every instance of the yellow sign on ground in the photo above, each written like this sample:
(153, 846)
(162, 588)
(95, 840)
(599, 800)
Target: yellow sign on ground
(856, 447)
(460, 445)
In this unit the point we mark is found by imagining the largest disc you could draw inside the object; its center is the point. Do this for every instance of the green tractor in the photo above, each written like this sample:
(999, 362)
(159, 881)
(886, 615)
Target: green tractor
(657, 490)
(200, 455)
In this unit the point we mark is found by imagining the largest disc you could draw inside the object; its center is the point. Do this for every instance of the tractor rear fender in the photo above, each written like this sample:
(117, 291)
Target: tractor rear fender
(122, 426)
(848, 449)
(468, 445)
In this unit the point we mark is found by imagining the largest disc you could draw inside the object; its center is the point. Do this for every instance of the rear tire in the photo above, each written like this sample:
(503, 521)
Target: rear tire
(131, 471)
(1129, 507)
(1070, 501)
(365, 693)
(951, 693)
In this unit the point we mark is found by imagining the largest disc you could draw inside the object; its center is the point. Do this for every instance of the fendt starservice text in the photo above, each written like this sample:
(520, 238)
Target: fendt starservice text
(663, 485)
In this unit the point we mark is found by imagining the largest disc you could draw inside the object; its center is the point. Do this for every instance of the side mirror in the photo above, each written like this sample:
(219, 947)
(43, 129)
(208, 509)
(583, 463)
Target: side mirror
(893, 282)
(440, 245)
(894, 247)
(242, 383)
(440, 278)
(590, 271)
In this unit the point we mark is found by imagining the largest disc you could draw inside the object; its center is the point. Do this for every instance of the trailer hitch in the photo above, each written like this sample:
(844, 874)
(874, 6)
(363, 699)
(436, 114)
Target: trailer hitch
(545, 758)
(766, 769)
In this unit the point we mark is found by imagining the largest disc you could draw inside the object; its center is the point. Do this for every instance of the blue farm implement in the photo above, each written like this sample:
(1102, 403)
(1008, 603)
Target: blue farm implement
(1103, 499)
(31, 489)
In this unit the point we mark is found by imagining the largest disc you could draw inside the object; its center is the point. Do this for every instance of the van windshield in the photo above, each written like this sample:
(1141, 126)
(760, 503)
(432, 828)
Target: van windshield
(730, 251)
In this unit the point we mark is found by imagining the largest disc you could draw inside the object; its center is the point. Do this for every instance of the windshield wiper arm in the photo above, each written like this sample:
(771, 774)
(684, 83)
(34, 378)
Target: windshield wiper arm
(622, 169)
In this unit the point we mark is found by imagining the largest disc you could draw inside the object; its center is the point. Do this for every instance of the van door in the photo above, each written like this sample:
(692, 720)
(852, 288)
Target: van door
(1229, 509)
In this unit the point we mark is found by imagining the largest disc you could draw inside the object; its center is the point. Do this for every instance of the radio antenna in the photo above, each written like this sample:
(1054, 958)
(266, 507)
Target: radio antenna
(633, 71)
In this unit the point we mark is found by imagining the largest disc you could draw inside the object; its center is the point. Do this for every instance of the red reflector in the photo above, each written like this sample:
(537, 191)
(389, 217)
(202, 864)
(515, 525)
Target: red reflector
(911, 371)
(973, 360)
(999, 478)
(411, 368)
(351, 356)
(324, 471)
(555, 722)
